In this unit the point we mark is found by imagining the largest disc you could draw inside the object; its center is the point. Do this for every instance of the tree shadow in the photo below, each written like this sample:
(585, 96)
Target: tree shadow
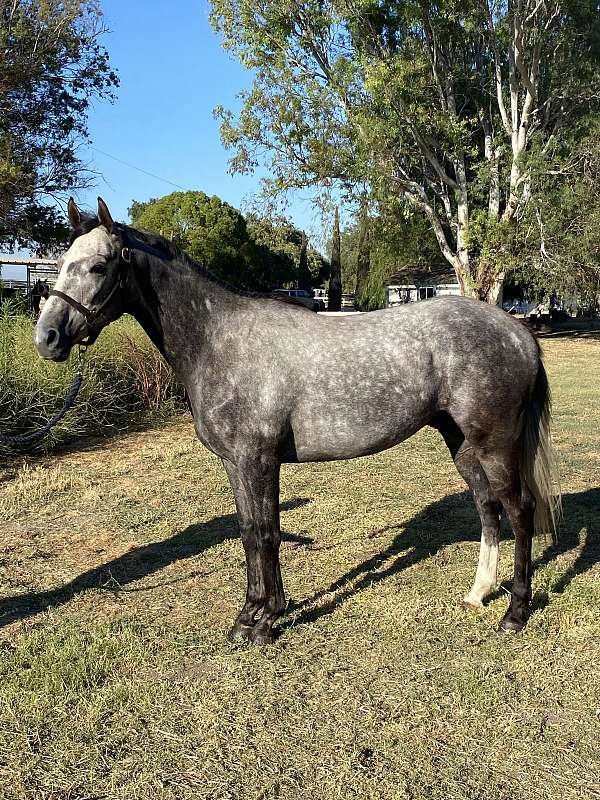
(138, 563)
(571, 333)
(91, 442)
(449, 521)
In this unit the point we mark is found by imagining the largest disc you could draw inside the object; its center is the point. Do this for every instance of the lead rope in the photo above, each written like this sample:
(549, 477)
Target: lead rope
(26, 438)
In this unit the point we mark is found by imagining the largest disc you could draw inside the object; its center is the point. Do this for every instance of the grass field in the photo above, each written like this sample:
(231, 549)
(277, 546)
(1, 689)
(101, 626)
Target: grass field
(121, 571)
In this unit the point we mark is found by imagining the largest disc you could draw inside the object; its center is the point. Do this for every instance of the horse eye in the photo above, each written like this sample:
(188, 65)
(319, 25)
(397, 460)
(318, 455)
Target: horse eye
(100, 269)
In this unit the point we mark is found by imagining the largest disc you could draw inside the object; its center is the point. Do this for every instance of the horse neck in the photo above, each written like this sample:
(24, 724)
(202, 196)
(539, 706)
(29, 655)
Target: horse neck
(178, 307)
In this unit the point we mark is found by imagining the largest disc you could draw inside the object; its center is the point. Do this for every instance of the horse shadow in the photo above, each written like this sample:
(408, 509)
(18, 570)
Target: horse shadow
(435, 527)
(444, 522)
(139, 563)
(592, 334)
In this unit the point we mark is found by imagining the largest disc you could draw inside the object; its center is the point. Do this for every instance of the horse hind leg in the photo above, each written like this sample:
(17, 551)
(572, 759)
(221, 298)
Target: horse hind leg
(502, 469)
(488, 507)
(490, 511)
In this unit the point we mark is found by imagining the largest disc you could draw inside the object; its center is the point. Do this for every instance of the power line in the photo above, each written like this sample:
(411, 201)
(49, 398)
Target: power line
(138, 169)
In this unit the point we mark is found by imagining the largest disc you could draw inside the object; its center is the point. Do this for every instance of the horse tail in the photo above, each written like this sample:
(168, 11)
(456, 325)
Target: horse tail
(538, 464)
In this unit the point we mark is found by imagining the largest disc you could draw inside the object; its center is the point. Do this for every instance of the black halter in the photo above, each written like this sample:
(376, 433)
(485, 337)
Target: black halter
(95, 318)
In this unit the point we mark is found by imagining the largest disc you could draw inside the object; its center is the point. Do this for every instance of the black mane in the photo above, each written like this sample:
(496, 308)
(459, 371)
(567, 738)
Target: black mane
(166, 249)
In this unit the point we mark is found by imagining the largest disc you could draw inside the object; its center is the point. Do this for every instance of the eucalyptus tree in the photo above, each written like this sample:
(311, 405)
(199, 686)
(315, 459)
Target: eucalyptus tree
(363, 257)
(335, 277)
(52, 66)
(447, 106)
(557, 241)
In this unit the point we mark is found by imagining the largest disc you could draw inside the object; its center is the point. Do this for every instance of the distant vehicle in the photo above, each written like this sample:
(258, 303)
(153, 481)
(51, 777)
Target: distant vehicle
(302, 296)
(322, 298)
(517, 307)
(348, 301)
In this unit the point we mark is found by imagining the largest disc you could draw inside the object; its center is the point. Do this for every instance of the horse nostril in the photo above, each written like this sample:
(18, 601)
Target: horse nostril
(51, 337)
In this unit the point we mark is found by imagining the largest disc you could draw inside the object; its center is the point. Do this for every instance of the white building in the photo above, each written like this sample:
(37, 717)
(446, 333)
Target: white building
(413, 284)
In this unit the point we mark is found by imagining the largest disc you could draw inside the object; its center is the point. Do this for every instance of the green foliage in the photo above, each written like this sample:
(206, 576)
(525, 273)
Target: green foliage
(335, 279)
(208, 229)
(363, 258)
(279, 238)
(53, 66)
(253, 254)
(304, 276)
(137, 208)
(435, 104)
(557, 243)
(395, 242)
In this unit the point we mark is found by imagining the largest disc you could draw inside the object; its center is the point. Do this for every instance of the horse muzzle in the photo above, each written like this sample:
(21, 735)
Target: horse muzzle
(51, 341)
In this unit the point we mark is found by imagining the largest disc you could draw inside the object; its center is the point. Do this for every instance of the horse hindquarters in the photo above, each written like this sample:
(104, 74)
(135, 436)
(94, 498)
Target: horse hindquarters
(491, 470)
(538, 504)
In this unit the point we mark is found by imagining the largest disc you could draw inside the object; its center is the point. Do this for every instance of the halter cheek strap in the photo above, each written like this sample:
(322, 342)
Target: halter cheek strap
(95, 317)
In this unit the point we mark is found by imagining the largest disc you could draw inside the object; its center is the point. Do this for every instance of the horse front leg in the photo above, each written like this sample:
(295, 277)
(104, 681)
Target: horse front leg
(255, 484)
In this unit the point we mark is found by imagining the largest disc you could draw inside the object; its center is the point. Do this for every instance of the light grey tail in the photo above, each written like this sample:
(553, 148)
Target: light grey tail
(538, 461)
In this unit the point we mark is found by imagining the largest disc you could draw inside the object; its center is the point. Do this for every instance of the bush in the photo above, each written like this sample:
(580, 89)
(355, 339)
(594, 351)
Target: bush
(126, 380)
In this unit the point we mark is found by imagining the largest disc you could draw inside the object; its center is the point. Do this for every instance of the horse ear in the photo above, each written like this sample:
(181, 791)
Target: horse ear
(104, 215)
(74, 213)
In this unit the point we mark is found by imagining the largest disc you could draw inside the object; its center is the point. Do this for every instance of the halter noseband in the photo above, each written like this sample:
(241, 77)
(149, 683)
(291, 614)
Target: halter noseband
(95, 317)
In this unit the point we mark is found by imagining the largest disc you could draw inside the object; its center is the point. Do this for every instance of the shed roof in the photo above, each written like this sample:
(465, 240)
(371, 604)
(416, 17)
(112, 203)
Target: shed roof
(420, 276)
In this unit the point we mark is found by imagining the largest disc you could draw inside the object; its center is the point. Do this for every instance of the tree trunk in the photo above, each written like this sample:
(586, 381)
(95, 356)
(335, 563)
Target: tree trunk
(477, 277)
(480, 280)
(335, 279)
(363, 260)
(304, 276)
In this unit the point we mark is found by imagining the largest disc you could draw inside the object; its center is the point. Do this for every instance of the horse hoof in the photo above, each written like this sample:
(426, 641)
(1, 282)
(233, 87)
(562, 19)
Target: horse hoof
(261, 637)
(240, 633)
(468, 606)
(511, 625)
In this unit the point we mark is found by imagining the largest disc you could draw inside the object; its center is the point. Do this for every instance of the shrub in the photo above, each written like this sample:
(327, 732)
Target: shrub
(125, 380)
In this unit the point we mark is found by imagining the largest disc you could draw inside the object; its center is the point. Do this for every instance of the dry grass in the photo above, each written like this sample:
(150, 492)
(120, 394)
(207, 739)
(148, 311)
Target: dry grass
(126, 382)
(121, 571)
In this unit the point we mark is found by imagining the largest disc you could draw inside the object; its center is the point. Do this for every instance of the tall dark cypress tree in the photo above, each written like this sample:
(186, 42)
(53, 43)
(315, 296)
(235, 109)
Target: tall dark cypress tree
(335, 279)
(363, 258)
(304, 276)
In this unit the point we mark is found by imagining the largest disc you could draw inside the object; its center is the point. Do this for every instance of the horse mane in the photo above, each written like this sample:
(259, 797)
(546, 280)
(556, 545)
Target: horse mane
(167, 249)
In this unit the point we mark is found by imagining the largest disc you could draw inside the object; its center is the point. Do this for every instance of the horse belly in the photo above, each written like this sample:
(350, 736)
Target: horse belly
(346, 429)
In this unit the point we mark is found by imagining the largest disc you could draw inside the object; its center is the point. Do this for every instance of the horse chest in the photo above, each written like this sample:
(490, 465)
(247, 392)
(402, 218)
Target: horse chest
(215, 426)
(226, 423)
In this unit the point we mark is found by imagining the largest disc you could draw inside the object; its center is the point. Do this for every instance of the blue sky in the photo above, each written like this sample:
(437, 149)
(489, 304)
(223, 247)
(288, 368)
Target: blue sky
(173, 72)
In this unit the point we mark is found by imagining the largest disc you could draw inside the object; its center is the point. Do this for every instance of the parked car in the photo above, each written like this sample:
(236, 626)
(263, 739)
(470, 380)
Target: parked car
(321, 297)
(517, 306)
(302, 296)
(348, 301)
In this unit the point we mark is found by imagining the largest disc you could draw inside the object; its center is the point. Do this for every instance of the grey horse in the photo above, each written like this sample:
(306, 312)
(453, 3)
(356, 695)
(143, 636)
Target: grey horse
(248, 364)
